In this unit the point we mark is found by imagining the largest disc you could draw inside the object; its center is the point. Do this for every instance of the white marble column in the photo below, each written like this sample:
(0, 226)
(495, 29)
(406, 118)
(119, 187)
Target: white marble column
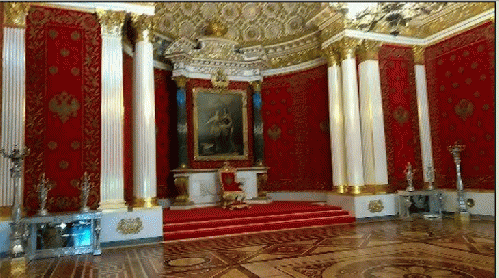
(112, 110)
(143, 118)
(424, 119)
(371, 113)
(336, 121)
(13, 94)
(353, 141)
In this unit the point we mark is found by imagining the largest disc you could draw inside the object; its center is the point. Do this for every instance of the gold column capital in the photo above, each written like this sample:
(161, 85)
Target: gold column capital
(181, 81)
(418, 54)
(143, 23)
(331, 53)
(348, 47)
(257, 85)
(111, 21)
(15, 14)
(368, 50)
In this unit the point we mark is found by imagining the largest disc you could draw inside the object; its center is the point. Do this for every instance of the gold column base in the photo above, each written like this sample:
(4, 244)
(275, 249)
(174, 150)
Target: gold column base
(356, 189)
(182, 201)
(145, 202)
(342, 189)
(463, 217)
(14, 267)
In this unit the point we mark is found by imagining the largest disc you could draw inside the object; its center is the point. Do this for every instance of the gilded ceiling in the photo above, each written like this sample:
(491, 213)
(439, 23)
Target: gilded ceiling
(248, 23)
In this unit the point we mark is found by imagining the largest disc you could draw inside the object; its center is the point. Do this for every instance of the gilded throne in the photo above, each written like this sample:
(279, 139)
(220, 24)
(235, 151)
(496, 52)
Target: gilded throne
(231, 194)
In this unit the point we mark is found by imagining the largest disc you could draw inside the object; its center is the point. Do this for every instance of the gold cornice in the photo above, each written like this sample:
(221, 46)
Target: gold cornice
(181, 81)
(111, 21)
(295, 58)
(368, 50)
(143, 23)
(15, 14)
(451, 16)
(418, 54)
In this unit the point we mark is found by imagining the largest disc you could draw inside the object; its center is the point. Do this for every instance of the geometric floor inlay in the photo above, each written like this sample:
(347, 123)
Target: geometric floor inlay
(382, 249)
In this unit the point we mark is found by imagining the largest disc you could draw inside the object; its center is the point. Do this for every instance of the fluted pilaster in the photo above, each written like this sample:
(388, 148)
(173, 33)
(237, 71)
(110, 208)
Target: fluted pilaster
(259, 147)
(13, 93)
(353, 141)
(424, 120)
(143, 118)
(112, 111)
(336, 120)
(371, 114)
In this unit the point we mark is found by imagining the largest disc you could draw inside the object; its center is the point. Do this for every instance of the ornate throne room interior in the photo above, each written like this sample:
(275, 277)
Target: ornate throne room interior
(359, 138)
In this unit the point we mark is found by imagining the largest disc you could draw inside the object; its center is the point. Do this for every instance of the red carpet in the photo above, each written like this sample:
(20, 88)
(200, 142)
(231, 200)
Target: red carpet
(212, 221)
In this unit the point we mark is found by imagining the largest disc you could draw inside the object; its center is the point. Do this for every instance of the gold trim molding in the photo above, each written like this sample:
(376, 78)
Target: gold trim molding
(15, 14)
(130, 226)
(111, 22)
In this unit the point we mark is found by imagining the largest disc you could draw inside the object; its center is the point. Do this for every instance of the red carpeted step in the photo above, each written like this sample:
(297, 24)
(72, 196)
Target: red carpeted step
(256, 227)
(189, 225)
(214, 221)
(174, 216)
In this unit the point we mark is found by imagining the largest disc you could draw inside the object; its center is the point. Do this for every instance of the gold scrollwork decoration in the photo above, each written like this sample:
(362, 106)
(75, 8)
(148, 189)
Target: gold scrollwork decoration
(130, 226)
(65, 106)
(368, 50)
(15, 14)
(111, 21)
(181, 81)
(219, 79)
(376, 206)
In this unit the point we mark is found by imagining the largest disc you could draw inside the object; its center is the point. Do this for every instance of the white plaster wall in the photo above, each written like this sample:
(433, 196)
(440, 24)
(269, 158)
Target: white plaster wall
(484, 202)
(152, 222)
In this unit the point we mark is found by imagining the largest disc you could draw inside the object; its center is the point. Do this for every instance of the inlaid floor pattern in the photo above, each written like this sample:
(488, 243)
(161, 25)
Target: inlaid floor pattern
(382, 249)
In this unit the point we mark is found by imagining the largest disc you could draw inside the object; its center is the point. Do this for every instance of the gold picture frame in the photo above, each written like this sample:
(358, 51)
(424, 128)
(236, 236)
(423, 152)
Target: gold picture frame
(220, 120)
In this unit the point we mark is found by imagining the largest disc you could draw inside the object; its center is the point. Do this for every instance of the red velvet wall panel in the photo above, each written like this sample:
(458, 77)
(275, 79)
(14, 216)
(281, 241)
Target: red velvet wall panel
(400, 114)
(296, 131)
(165, 107)
(127, 132)
(461, 90)
(63, 131)
(203, 83)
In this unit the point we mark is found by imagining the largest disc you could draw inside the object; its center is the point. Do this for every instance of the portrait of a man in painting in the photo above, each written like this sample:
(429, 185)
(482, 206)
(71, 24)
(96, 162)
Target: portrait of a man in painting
(220, 125)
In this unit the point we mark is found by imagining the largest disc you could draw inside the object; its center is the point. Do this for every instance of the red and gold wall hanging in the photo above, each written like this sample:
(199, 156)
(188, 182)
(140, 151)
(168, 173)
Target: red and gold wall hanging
(209, 164)
(400, 113)
(296, 131)
(63, 129)
(461, 97)
(165, 93)
(127, 131)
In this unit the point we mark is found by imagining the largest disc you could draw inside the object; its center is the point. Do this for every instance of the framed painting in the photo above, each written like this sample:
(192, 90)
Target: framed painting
(220, 124)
